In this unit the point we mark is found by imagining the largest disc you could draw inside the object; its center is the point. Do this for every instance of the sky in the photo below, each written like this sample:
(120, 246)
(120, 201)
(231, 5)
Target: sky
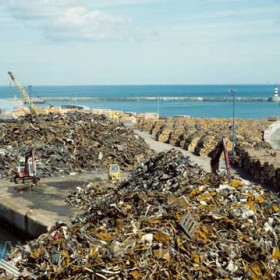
(105, 42)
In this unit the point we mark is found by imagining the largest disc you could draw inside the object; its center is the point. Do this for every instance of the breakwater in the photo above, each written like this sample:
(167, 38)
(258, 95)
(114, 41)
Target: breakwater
(160, 98)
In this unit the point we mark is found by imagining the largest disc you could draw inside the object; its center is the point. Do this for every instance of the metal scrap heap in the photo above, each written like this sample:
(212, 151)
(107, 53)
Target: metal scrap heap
(167, 220)
(68, 143)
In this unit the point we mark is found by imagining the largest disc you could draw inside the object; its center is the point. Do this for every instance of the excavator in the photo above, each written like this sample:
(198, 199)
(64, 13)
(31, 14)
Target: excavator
(27, 171)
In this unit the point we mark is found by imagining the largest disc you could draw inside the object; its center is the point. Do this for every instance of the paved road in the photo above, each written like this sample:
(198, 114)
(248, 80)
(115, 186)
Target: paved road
(203, 162)
(158, 147)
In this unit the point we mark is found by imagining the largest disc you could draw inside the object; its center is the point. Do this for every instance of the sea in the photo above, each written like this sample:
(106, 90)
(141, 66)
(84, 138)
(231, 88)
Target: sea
(167, 100)
(7, 240)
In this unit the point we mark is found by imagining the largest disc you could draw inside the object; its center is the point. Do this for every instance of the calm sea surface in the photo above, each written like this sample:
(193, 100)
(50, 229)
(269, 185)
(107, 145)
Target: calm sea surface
(6, 241)
(165, 108)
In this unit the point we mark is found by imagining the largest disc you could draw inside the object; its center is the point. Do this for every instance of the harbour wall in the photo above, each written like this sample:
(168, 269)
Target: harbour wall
(21, 220)
(269, 135)
(162, 98)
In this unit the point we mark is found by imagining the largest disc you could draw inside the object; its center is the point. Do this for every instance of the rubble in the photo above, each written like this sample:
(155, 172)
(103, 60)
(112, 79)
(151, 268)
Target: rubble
(168, 220)
(74, 142)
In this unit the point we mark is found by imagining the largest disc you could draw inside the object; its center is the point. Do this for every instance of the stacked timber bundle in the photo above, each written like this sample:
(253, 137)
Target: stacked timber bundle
(68, 143)
(167, 220)
(262, 163)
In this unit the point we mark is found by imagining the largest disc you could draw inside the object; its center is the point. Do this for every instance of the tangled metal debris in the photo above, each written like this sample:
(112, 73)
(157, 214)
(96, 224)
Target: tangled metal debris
(73, 142)
(167, 220)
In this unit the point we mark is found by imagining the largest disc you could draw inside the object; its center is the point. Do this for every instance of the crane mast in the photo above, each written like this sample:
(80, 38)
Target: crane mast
(24, 94)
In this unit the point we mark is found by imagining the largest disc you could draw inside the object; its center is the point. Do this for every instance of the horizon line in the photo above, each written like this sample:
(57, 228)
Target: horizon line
(73, 85)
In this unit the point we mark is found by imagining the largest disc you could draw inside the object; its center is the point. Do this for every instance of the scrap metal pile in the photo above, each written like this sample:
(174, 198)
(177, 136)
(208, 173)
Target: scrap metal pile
(69, 143)
(167, 220)
(201, 135)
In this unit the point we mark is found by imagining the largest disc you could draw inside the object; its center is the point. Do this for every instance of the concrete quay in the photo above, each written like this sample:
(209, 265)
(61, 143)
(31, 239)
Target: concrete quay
(32, 210)
(272, 135)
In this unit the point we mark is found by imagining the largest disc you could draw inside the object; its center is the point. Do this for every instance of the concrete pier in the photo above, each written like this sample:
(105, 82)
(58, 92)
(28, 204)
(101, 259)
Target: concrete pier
(32, 210)
(272, 135)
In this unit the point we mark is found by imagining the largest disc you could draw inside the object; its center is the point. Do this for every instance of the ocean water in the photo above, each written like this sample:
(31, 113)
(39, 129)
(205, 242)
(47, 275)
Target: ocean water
(105, 94)
(7, 240)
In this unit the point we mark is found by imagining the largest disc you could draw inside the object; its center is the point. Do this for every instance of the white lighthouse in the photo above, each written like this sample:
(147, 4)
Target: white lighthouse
(276, 92)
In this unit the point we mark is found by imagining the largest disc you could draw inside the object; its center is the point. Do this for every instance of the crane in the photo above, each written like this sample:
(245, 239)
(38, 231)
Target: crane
(24, 94)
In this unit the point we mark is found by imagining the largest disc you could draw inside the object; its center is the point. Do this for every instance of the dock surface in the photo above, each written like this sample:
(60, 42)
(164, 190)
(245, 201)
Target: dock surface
(33, 210)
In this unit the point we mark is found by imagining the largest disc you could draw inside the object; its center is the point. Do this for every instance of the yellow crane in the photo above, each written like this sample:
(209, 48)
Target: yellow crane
(24, 94)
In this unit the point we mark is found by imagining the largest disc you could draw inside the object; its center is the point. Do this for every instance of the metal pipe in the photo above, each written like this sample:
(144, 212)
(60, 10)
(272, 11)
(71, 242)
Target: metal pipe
(233, 91)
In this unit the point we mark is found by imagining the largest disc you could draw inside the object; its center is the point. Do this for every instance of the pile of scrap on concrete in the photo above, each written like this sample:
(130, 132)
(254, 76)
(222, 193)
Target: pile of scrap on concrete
(168, 220)
(68, 143)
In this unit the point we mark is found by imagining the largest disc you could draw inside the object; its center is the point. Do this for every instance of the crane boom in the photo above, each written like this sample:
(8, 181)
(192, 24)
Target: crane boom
(24, 94)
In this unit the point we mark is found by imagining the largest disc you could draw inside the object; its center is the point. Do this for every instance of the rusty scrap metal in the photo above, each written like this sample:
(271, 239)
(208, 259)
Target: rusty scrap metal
(69, 143)
(132, 230)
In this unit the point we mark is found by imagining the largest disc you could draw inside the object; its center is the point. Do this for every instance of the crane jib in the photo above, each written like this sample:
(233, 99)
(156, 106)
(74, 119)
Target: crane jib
(24, 94)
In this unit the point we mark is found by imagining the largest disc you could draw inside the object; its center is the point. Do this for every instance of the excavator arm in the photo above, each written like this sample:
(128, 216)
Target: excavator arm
(215, 160)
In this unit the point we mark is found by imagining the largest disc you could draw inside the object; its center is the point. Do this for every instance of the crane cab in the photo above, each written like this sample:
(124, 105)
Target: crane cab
(114, 172)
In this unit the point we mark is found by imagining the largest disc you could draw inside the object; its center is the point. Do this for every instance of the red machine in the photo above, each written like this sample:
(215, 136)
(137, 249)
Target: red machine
(28, 170)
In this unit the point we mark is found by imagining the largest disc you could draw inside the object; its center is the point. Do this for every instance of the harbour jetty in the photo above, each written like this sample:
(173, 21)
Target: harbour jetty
(160, 98)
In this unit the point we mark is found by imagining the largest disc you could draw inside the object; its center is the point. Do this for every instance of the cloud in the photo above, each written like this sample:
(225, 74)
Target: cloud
(79, 23)
(35, 9)
(64, 20)
(114, 3)
(225, 32)
(234, 13)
